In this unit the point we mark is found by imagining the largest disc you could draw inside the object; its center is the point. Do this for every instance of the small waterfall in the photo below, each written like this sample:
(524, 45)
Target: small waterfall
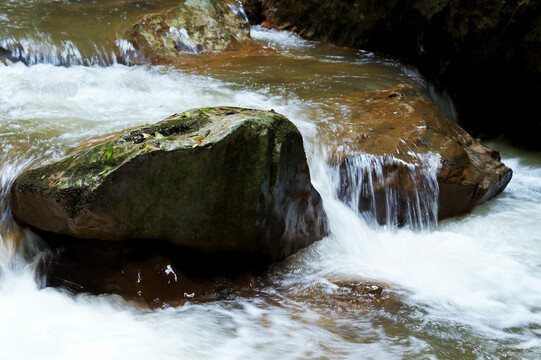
(42, 50)
(127, 53)
(238, 9)
(390, 191)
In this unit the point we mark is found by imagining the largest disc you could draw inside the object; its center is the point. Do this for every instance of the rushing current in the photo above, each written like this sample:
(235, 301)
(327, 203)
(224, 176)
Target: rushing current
(464, 288)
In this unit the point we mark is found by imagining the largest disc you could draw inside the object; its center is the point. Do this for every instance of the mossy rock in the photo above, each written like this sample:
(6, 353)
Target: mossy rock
(218, 179)
(192, 27)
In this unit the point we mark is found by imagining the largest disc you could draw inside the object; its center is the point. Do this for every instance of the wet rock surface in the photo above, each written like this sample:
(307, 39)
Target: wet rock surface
(159, 275)
(154, 275)
(398, 152)
(194, 26)
(221, 180)
(486, 54)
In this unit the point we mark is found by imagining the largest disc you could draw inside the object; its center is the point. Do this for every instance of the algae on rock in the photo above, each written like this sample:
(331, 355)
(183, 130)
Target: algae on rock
(218, 179)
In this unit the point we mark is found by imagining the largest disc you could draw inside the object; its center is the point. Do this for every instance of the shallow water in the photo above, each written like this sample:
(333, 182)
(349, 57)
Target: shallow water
(469, 288)
(64, 32)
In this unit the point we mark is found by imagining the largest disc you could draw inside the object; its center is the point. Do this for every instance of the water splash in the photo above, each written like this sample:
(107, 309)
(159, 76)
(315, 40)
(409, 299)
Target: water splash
(281, 39)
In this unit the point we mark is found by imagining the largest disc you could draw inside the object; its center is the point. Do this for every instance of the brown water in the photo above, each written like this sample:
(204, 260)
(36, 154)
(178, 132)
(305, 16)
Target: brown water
(69, 32)
(468, 289)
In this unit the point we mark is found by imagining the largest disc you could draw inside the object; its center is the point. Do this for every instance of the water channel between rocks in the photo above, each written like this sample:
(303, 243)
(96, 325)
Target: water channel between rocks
(467, 288)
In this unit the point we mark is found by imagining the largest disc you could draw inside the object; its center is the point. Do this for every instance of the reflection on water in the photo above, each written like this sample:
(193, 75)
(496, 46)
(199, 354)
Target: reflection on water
(290, 66)
(469, 289)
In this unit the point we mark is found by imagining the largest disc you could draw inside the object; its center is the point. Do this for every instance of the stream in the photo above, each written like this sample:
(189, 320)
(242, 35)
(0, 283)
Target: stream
(463, 288)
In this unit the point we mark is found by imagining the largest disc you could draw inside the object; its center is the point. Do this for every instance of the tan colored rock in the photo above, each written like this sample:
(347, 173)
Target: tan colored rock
(397, 148)
(194, 26)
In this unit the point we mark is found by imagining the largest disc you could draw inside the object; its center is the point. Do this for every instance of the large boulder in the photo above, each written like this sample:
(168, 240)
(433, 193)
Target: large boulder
(193, 26)
(402, 160)
(485, 53)
(215, 180)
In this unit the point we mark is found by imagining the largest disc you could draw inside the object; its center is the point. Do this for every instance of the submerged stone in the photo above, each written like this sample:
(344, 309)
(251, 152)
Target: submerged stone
(403, 160)
(346, 295)
(354, 294)
(215, 180)
(192, 27)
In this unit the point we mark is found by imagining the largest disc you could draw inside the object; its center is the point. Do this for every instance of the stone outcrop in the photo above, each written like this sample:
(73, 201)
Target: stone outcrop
(486, 54)
(192, 27)
(215, 180)
(398, 152)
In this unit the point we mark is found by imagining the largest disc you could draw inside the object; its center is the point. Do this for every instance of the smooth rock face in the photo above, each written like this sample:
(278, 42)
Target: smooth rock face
(192, 27)
(486, 54)
(398, 148)
(222, 179)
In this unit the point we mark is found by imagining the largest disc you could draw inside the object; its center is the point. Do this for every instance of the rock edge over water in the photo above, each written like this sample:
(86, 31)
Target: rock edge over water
(399, 152)
(221, 179)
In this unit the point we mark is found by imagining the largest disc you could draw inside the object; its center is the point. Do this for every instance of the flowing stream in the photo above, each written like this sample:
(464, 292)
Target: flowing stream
(465, 288)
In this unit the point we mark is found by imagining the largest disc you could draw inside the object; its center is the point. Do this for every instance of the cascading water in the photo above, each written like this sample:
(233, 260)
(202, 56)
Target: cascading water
(44, 51)
(466, 288)
(387, 194)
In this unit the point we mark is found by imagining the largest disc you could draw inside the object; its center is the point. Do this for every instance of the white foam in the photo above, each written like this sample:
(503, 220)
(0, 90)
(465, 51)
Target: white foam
(278, 38)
